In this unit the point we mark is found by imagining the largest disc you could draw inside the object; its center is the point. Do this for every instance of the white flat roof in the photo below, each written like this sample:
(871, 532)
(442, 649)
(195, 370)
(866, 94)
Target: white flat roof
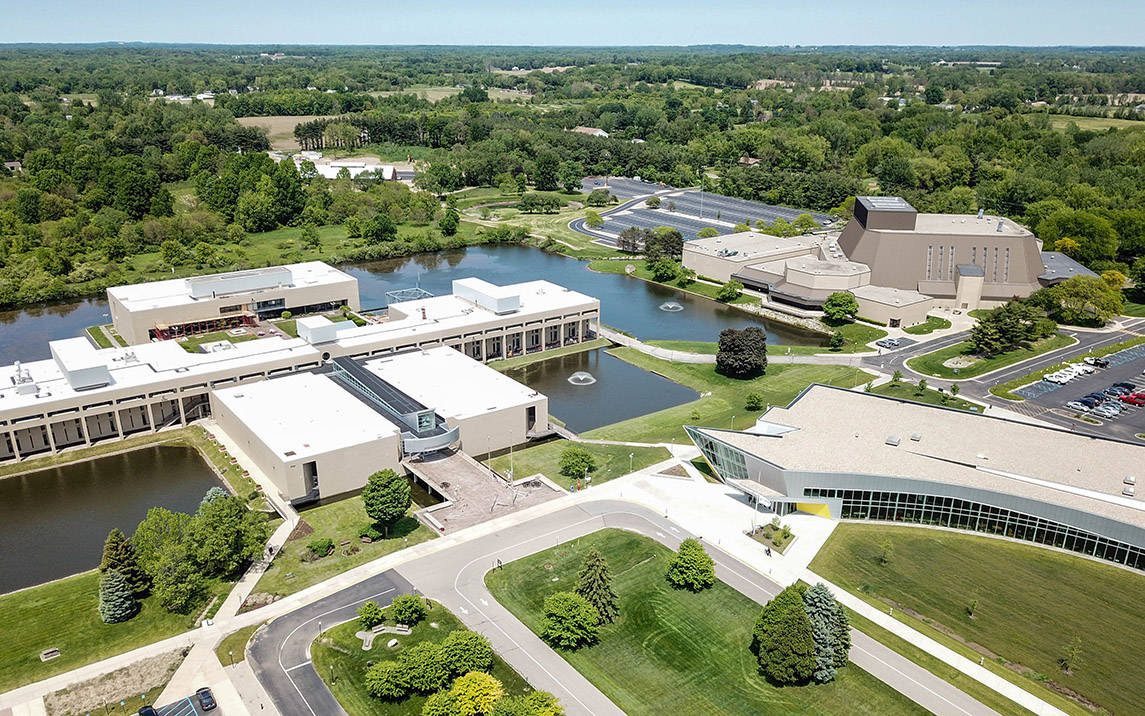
(303, 415)
(889, 296)
(965, 224)
(176, 291)
(750, 245)
(451, 383)
(451, 315)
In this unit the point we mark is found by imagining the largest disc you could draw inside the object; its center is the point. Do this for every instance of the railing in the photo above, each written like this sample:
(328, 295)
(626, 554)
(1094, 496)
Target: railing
(413, 446)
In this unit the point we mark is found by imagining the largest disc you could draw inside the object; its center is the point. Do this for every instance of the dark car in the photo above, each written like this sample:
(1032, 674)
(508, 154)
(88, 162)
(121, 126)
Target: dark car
(206, 698)
(1126, 385)
(147, 711)
(1116, 390)
(1089, 402)
(1099, 397)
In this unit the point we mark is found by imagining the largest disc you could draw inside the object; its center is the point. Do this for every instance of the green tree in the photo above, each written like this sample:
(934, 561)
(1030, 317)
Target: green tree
(839, 307)
(116, 598)
(754, 401)
(598, 197)
(172, 253)
(379, 229)
(664, 242)
(256, 210)
(570, 175)
(691, 567)
(224, 534)
(742, 353)
(707, 232)
(934, 94)
(1071, 656)
(426, 671)
(176, 580)
(576, 461)
(386, 497)
(665, 270)
(537, 703)
(159, 531)
(805, 223)
(595, 585)
(1093, 235)
(687, 276)
(449, 222)
(837, 340)
(783, 639)
(545, 177)
(475, 693)
(388, 680)
(570, 622)
(829, 625)
(119, 555)
(407, 609)
(921, 387)
(466, 651)
(886, 552)
(593, 220)
(370, 615)
(730, 291)
(1080, 300)
(310, 238)
(652, 202)
(443, 703)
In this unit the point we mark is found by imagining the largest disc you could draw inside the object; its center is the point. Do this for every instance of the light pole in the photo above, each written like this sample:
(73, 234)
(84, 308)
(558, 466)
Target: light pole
(510, 454)
(702, 191)
(630, 455)
(332, 679)
(733, 422)
(586, 476)
(232, 653)
(319, 628)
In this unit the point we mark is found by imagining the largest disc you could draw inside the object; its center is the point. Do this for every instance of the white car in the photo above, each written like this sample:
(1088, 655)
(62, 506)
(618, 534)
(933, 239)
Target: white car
(1079, 407)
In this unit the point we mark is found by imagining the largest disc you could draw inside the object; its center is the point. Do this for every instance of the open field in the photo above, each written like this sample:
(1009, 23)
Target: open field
(65, 614)
(340, 521)
(1032, 602)
(340, 649)
(232, 649)
(672, 651)
(1133, 303)
(431, 94)
(932, 364)
(1099, 124)
(611, 460)
(725, 406)
(279, 128)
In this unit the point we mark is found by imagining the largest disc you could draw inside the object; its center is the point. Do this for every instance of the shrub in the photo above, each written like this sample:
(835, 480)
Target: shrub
(370, 615)
(387, 680)
(466, 651)
(407, 609)
(425, 668)
(475, 693)
(320, 547)
(371, 532)
(570, 621)
(754, 401)
(691, 568)
(652, 202)
(286, 315)
(576, 461)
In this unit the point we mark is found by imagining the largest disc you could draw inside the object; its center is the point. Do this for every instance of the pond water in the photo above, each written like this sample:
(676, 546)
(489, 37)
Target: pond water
(53, 522)
(618, 392)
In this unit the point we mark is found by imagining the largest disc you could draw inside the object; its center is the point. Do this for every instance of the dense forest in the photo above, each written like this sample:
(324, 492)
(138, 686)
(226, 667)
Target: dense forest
(103, 155)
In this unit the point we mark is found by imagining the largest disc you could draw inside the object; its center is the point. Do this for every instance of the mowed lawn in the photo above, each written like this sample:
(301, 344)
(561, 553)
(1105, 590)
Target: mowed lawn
(674, 652)
(612, 461)
(781, 383)
(1032, 601)
(930, 396)
(65, 615)
(933, 363)
(342, 650)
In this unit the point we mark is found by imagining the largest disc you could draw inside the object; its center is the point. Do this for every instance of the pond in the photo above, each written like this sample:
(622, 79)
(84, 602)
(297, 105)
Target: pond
(645, 310)
(591, 389)
(53, 522)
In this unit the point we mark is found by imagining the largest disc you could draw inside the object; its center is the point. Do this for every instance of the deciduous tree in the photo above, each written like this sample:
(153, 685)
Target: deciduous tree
(691, 567)
(407, 609)
(570, 622)
(466, 651)
(475, 693)
(742, 353)
(576, 461)
(839, 307)
(386, 497)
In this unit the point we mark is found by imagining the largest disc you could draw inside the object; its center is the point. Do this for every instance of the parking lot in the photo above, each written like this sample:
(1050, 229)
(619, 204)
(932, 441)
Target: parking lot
(1124, 367)
(187, 707)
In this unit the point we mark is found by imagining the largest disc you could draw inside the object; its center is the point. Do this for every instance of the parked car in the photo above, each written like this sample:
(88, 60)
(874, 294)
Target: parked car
(1097, 362)
(1115, 390)
(887, 342)
(1079, 407)
(1131, 399)
(1099, 397)
(206, 698)
(1083, 369)
(147, 711)
(1127, 385)
(1089, 402)
(1105, 411)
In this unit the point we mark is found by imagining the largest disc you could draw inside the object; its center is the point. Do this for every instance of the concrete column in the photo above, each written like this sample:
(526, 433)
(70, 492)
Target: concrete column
(83, 430)
(15, 444)
(118, 421)
(51, 437)
(182, 413)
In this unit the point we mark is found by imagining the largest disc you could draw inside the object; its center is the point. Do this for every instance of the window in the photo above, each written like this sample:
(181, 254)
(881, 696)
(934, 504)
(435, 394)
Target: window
(230, 309)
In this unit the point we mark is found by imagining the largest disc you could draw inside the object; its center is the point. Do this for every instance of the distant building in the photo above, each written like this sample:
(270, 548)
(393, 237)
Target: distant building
(14, 166)
(591, 131)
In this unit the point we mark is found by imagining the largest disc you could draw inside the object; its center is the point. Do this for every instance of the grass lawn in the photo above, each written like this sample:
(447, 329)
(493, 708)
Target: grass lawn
(1032, 602)
(1133, 302)
(611, 460)
(342, 650)
(232, 649)
(971, 687)
(191, 343)
(556, 227)
(517, 362)
(339, 521)
(700, 288)
(1099, 124)
(778, 387)
(65, 614)
(978, 313)
(932, 363)
(930, 396)
(933, 323)
(672, 651)
(100, 338)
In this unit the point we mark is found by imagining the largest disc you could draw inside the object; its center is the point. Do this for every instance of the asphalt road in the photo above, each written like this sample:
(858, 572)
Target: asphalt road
(280, 652)
(456, 578)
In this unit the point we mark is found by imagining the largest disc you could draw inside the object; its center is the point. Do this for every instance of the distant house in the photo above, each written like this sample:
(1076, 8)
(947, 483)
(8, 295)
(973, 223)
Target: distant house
(591, 131)
(205, 95)
(638, 141)
(156, 92)
(748, 161)
(13, 166)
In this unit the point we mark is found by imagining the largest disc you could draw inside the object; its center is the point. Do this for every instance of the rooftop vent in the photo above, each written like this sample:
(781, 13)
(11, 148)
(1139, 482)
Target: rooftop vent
(1130, 480)
(893, 440)
(981, 212)
(999, 229)
(916, 437)
(1128, 492)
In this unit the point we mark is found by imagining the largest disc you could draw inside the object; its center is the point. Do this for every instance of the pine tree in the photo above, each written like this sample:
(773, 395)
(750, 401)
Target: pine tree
(783, 640)
(821, 609)
(116, 600)
(596, 586)
(119, 554)
(841, 626)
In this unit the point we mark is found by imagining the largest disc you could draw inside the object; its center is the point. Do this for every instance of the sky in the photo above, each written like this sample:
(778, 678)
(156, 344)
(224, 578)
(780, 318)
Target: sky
(612, 22)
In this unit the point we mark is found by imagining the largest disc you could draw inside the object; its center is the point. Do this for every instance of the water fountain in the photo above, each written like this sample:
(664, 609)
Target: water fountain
(671, 307)
(582, 377)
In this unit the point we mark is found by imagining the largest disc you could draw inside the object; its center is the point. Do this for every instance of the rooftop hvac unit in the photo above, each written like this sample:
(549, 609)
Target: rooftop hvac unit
(1131, 480)
(1128, 492)
(999, 226)
(981, 212)
(893, 440)
(916, 437)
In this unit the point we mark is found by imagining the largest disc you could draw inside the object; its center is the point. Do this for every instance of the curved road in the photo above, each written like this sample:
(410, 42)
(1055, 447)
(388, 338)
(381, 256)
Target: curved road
(455, 576)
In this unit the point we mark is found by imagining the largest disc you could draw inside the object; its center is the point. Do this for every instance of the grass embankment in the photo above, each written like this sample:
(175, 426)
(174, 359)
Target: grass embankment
(339, 648)
(232, 649)
(612, 461)
(933, 364)
(857, 336)
(1133, 302)
(778, 386)
(930, 396)
(339, 521)
(672, 651)
(933, 323)
(1006, 390)
(65, 614)
(518, 361)
(700, 288)
(1032, 602)
(553, 230)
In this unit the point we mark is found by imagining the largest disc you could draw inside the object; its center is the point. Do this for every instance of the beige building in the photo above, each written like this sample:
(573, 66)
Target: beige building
(202, 304)
(894, 307)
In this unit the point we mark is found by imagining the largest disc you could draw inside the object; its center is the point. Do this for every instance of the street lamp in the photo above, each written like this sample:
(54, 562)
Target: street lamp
(733, 422)
(702, 191)
(510, 454)
(232, 653)
(630, 455)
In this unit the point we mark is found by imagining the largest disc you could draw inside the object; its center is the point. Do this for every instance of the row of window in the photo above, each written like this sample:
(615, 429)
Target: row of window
(967, 515)
(727, 462)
